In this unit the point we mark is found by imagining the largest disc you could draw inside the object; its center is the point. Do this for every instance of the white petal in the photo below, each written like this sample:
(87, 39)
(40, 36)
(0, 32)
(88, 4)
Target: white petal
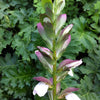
(72, 96)
(71, 73)
(40, 89)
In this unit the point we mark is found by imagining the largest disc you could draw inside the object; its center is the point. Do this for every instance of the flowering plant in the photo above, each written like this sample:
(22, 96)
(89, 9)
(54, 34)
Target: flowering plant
(57, 39)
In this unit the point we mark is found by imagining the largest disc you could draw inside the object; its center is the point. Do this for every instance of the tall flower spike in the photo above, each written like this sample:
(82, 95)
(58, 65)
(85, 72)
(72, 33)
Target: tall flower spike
(57, 40)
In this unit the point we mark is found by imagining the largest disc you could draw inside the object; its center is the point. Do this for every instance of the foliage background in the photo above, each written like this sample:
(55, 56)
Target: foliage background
(19, 38)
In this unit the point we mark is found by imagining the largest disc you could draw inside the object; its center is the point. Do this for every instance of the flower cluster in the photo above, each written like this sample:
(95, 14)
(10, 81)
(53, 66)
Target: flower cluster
(57, 39)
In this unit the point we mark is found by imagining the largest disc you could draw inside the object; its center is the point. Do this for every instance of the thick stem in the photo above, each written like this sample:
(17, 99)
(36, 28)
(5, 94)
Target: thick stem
(54, 70)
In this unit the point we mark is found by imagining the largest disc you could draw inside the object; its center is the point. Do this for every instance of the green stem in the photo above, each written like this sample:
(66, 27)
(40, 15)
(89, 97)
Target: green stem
(54, 58)
(54, 70)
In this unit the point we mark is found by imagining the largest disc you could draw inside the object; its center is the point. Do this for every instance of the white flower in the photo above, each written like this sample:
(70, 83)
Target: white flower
(72, 96)
(74, 64)
(70, 72)
(40, 89)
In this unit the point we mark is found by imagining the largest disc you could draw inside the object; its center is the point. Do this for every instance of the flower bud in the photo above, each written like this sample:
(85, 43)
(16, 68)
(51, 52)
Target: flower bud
(68, 63)
(61, 47)
(45, 51)
(44, 61)
(60, 22)
(43, 34)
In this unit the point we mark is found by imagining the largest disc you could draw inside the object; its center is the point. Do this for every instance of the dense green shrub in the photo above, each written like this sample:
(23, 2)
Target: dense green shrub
(19, 38)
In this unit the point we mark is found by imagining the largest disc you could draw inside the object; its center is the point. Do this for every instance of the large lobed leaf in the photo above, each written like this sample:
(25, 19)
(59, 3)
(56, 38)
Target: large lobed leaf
(90, 84)
(16, 77)
(84, 36)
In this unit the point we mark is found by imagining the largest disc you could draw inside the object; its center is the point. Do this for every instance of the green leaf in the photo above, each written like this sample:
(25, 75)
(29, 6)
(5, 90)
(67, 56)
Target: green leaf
(97, 5)
(5, 38)
(95, 18)
(41, 98)
(26, 30)
(84, 36)
(90, 86)
(69, 82)
(3, 6)
(87, 6)
(8, 60)
(86, 91)
(39, 8)
(35, 1)
(16, 77)
(92, 63)
(89, 96)
(98, 75)
(96, 27)
(20, 47)
(44, 2)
